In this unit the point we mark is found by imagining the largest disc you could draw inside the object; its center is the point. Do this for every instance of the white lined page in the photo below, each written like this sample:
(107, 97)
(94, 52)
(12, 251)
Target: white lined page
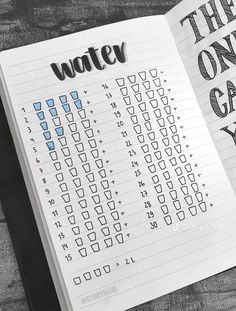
(185, 38)
(164, 233)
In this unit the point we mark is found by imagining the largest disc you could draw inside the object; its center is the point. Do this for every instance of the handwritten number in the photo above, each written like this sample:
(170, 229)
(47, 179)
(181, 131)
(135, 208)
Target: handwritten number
(153, 225)
(150, 214)
(120, 123)
(113, 105)
(51, 202)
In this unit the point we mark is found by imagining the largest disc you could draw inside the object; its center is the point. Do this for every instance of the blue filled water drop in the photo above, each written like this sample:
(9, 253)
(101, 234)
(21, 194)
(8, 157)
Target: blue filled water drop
(66, 107)
(53, 112)
(74, 95)
(50, 102)
(50, 145)
(44, 125)
(63, 99)
(41, 115)
(37, 106)
(59, 131)
(78, 104)
(47, 135)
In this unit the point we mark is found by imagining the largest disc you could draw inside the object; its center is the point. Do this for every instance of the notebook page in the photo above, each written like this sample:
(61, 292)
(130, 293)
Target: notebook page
(215, 87)
(132, 194)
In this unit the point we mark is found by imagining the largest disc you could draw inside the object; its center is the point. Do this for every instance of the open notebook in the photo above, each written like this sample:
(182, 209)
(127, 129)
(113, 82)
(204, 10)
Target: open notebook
(125, 134)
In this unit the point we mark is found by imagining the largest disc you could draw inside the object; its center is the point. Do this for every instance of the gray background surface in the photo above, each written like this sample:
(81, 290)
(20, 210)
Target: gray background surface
(27, 21)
